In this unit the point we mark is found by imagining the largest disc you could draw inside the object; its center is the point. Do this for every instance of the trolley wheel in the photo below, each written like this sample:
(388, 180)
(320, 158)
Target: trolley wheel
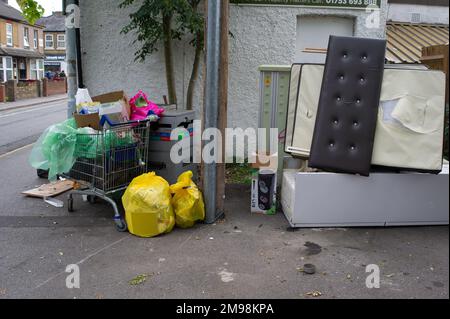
(42, 173)
(70, 205)
(121, 225)
(91, 199)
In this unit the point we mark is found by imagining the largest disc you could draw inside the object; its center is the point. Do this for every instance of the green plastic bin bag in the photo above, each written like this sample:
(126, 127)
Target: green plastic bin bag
(54, 151)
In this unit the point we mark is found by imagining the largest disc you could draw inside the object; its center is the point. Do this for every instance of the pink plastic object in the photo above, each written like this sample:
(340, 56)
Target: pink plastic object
(141, 106)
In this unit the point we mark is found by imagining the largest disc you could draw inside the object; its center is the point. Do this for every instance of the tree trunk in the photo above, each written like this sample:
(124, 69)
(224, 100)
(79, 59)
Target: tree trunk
(168, 58)
(194, 75)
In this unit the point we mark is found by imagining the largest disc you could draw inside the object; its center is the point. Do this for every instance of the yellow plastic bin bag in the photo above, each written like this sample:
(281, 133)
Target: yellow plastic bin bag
(187, 201)
(148, 210)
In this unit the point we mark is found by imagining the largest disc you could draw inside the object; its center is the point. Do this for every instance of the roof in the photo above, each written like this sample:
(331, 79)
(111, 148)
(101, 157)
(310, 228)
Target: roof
(8, 12)
(54, 23)
(406, 40)
(21, 53)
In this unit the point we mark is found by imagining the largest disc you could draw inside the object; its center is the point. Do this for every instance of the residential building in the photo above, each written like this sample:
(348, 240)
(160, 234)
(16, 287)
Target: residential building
(21, 46)
(282, 33)
(278, 34)
(54, 42)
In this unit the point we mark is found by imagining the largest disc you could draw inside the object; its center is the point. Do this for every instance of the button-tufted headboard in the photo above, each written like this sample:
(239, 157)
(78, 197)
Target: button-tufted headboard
(348, 107)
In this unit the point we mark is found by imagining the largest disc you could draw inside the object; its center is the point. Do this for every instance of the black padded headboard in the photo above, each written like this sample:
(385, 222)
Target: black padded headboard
(348, 108)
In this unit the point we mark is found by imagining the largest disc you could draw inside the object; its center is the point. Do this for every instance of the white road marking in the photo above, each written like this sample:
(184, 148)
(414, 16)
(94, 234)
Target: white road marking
(16, 150)
(32, 109)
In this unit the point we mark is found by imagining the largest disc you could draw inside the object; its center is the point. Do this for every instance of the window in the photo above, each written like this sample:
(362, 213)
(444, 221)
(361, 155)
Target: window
(61, 44)
(9, 34)
(49, 42)
(36, 39)
(6, 69)
(37, 69)
(26, 38)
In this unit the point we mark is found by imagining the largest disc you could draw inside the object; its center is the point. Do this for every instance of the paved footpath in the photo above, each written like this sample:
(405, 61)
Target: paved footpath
(32, 102)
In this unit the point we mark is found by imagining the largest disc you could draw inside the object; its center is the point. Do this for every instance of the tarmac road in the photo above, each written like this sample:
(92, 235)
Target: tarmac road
(243, 256)
(21, 127)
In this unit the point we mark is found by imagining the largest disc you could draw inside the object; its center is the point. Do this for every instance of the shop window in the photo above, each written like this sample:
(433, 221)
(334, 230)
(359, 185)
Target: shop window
(61, 44)
(49, 42)
(36, 39)
(9, 34)
(26, 38)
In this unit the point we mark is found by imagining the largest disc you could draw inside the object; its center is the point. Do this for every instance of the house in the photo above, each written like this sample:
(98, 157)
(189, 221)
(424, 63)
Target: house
(55, 42)
(21, 46)
(281, 33)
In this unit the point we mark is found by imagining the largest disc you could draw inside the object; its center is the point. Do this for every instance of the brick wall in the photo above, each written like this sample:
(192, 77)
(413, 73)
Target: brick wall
(2, 93)
(23, 90)
(28, 90)
(54, 87)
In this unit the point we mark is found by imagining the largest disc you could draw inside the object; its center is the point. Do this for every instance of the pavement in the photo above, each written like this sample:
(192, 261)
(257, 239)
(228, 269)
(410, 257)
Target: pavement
(241, 256)
(32, 102)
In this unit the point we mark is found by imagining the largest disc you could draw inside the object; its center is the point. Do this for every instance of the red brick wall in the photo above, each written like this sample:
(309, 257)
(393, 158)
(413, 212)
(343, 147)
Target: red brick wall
(2, 93)
(54, 87)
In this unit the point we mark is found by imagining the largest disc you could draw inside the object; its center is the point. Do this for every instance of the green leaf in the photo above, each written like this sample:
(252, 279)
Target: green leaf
(31, 10)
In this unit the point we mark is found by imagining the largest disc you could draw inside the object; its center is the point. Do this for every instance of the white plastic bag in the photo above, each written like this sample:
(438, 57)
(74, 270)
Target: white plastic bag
(83, 96)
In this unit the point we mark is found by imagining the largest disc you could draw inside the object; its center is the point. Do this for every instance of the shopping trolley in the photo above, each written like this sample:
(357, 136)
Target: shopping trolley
(106, 162)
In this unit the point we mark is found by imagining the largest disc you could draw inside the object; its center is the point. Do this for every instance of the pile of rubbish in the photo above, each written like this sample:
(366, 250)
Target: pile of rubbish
(103, 150)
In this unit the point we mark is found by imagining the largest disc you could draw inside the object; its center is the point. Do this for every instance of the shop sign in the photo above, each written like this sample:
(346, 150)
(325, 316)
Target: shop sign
(55, 58)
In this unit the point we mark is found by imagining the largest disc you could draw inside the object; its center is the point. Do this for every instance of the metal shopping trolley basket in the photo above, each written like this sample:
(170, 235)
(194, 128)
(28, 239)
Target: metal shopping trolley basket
(107, 161)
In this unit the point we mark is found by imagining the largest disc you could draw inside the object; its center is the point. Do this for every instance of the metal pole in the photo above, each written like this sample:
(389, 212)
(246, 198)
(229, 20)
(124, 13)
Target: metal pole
(212, 102)
(71, 55)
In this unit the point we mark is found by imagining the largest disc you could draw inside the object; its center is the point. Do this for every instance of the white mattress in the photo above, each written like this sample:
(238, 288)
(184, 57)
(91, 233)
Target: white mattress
(410, 127)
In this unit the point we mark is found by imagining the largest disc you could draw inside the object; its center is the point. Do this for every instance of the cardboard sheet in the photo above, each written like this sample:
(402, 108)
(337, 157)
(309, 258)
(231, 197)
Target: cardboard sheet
(50, 190)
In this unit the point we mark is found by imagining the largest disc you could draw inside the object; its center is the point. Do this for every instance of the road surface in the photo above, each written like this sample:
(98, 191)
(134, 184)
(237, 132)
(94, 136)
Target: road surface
(21, 127)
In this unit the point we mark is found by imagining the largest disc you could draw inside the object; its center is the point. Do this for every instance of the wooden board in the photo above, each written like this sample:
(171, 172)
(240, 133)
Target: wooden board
(50, 190)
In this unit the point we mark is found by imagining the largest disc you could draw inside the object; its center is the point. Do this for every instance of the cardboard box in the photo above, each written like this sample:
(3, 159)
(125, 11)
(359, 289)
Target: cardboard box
(93, 120)
(262, 161)
(112, 97)
(88, 120)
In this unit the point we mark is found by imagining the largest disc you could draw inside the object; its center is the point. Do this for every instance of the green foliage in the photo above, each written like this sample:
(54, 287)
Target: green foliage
(147, 22)
(31, 10)
(239, 173)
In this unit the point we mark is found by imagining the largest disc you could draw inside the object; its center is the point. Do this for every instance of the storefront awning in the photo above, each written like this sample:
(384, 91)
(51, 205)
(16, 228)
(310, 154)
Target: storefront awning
(406, 41)
(21, 53)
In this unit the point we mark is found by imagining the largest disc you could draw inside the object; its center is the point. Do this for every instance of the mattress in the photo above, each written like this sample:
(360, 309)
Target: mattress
(346, 119)
(410, 124)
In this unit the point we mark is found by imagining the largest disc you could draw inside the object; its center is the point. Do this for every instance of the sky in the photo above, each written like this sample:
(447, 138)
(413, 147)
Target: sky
(49, 5)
